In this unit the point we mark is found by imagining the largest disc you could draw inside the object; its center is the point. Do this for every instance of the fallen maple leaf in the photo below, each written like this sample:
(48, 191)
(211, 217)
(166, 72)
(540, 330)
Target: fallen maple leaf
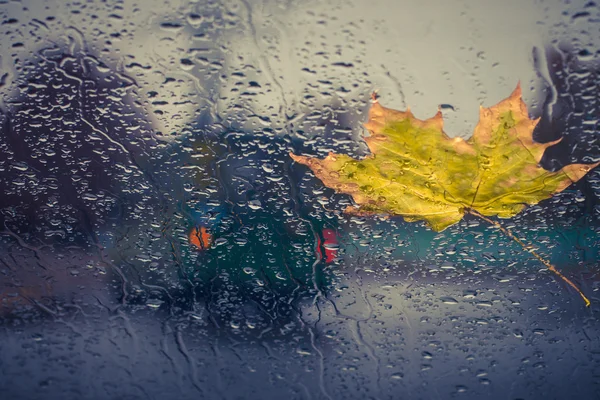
(415, 170)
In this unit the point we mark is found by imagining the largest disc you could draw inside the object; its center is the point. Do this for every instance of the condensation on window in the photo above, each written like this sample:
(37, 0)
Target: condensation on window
(158, 242)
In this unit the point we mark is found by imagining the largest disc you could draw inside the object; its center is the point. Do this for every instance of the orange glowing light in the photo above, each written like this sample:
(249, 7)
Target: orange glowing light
(200, 238)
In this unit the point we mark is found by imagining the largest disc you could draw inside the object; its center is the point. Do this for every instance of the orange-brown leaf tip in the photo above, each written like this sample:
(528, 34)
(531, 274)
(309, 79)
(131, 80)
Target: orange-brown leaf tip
(552, 143)
(437, 121)
(357, 211)
(300, 159)
(375, 112)
(483, 112)
(517, 93)
(350, 210)
(544, 146)
(577, 171)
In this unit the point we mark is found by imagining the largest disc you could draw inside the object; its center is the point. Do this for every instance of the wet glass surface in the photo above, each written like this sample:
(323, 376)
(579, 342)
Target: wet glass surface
(158, 242)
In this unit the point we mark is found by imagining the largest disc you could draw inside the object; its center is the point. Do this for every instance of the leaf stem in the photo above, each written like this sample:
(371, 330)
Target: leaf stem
(551, 267)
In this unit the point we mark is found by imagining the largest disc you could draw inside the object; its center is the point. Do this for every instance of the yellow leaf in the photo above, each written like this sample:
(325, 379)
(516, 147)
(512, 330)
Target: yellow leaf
(415, 170)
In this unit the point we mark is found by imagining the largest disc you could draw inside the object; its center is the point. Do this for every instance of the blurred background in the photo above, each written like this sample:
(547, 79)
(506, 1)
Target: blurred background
(157, 242)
